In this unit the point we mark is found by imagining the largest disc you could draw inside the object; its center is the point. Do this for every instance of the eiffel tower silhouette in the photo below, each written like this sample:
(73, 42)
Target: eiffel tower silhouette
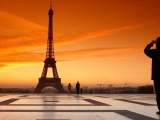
(50, 62)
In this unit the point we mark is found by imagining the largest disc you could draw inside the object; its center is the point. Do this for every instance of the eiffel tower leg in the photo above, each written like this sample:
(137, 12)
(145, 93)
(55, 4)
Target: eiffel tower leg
(39, 87)
(45, 82)
(60, 88)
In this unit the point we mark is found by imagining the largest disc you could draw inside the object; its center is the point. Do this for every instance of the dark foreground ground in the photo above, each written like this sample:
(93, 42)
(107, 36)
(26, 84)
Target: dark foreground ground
(74, 107)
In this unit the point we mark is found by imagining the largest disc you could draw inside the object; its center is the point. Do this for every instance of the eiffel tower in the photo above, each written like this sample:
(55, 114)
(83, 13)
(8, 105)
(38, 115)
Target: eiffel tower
(50, 62)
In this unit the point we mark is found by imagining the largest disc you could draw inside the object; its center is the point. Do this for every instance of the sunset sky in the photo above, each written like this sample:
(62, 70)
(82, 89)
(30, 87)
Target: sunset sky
(96, 41)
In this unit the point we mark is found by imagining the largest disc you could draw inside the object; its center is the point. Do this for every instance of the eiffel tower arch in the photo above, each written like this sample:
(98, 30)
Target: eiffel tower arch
(50, 62)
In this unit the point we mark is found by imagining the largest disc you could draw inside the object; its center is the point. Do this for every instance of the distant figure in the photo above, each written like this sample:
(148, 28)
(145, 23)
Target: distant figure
(81, 90)
(155, 55)
(91, 91)
(77, 87)
(69, 88)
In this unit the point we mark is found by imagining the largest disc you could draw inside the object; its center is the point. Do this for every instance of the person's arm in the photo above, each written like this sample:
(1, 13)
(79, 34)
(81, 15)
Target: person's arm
(148, 50)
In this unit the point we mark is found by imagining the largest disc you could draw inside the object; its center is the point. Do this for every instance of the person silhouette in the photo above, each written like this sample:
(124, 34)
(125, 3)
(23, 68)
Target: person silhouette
(155, 55)
(81, 90)
(69, 88)
(77, 87)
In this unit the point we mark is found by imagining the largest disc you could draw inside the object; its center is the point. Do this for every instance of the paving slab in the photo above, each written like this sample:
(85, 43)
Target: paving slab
(78, 107)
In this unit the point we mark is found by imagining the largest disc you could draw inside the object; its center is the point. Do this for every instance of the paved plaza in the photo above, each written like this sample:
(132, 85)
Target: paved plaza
(74, 107)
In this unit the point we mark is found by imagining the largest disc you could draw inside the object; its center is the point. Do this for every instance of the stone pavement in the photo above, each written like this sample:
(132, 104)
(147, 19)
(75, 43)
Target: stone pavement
(74, 107)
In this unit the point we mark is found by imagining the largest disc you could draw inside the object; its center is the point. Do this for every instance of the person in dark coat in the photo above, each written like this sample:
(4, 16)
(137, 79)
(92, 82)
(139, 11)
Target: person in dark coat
(78, 87)
(69, 88)
(154, 54)
(81, 90)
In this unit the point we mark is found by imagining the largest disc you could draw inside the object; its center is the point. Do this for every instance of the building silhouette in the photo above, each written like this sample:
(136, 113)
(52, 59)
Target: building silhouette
(50, 62)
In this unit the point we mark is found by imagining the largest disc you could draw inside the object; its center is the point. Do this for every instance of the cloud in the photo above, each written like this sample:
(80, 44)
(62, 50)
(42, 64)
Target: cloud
(100, 50)
(18, 36)
(13, 22)
(70, 39)
(25, 39)
(16, 32)
(31, 57)
(97, 53)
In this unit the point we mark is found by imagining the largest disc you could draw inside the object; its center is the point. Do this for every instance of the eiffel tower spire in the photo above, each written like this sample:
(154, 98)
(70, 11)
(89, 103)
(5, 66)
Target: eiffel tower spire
(50, 4)
(50, 47)
(50, 61)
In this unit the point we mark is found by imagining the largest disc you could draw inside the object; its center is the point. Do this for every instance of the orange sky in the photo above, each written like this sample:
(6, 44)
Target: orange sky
(96, 41)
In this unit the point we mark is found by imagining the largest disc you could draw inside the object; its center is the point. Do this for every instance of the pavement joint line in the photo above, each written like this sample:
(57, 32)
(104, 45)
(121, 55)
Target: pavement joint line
(102, 96)
(135, 102)
(126, 113)
(48, 105)
(51, 101)
(52, 119)
(96, 102)
(24, 96)
(7, 102)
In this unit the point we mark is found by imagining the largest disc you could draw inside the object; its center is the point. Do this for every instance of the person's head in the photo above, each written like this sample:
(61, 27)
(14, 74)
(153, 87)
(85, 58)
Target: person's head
(158, 43)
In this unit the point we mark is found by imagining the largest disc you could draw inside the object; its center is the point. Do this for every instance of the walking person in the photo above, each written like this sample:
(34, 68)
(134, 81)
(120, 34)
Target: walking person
(78, 87)
(81, 90)
(154, 54)
(91, 91)
(69, 88)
